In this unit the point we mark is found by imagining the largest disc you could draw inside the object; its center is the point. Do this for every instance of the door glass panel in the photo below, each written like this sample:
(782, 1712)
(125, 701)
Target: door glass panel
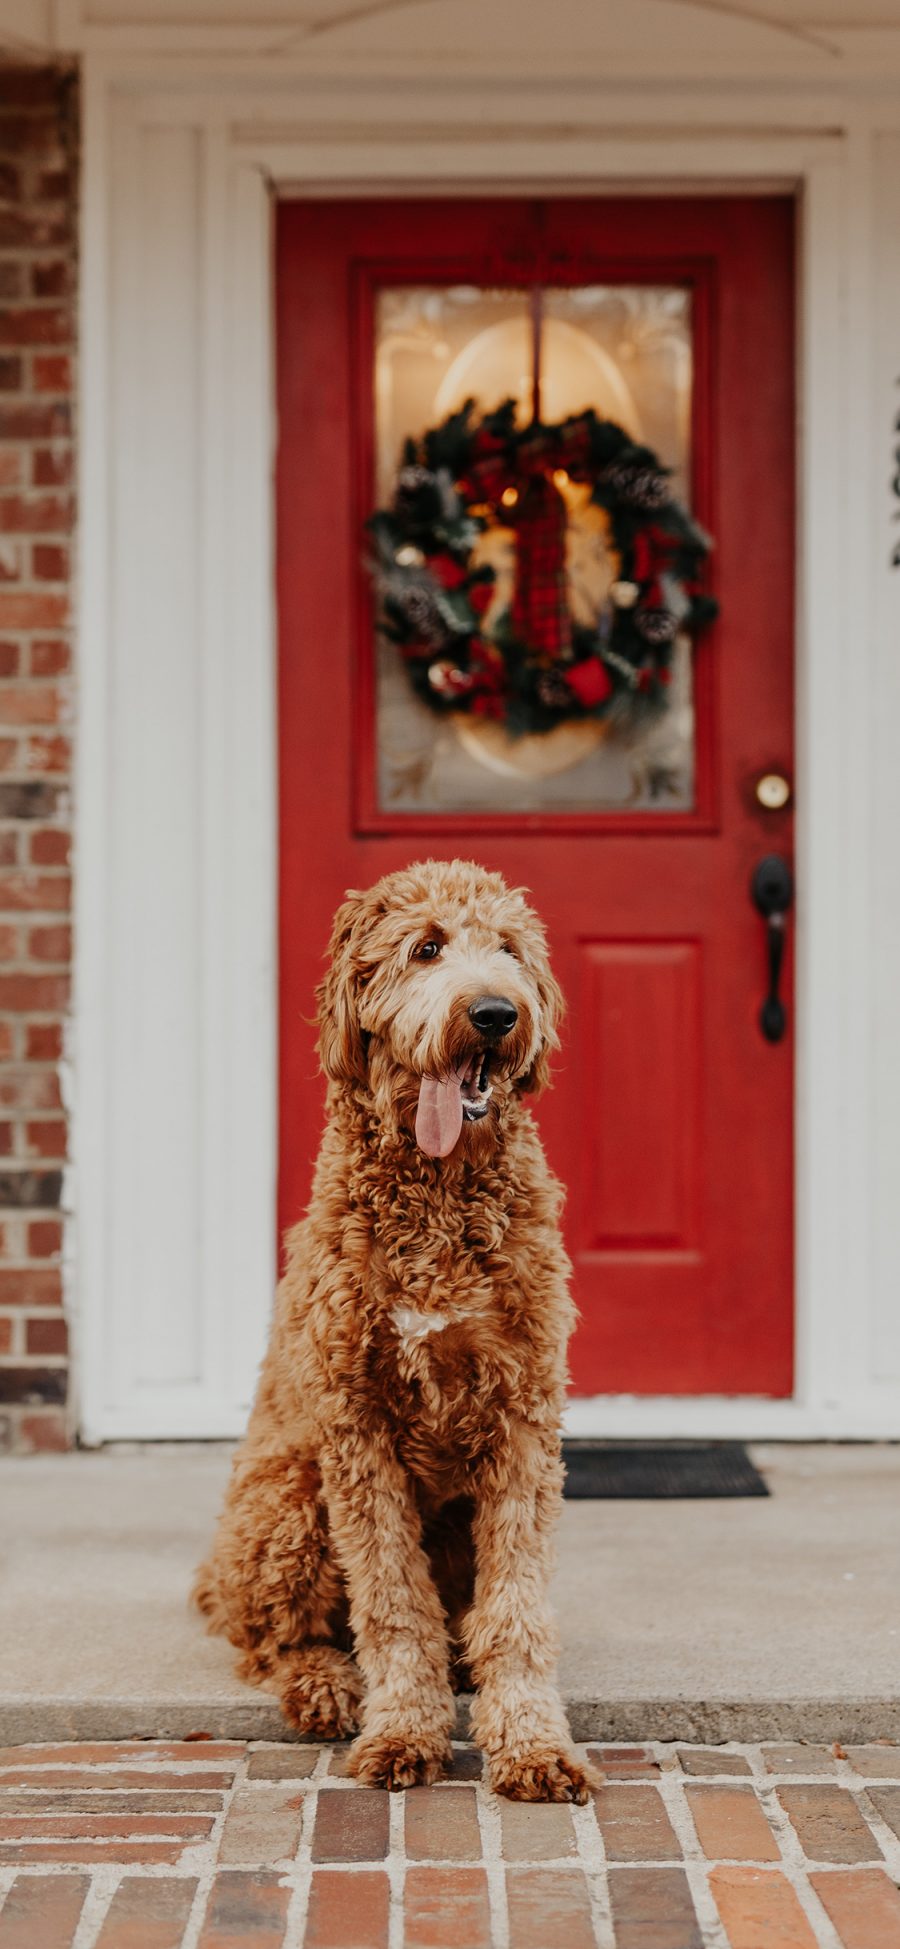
(624, 350)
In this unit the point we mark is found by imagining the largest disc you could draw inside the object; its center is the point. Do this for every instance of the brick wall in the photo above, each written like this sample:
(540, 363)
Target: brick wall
(38, 189)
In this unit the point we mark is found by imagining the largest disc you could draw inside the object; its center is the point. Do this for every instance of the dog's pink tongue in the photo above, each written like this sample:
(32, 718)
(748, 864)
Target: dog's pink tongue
(439, 1115)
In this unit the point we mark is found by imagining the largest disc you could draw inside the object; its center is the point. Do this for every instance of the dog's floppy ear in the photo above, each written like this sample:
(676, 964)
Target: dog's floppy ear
(552, 1010)
(342, 1043)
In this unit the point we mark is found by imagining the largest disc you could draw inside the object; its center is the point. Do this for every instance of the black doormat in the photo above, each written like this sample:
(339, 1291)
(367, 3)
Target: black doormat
(658, 1471)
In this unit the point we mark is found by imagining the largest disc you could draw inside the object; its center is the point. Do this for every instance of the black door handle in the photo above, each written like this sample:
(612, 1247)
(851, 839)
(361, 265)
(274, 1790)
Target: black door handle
(772, 887)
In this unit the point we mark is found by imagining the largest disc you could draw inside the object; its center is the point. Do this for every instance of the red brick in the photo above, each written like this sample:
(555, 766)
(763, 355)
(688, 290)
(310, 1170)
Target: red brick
(880, 1761)
(635, 1825)
(78, 1778)
(549, 1905)
(35, 1800)
(731, 1824)
(283, 1763)
(19, 1854)
(30, 703)
(35, 514)
(52, 279)
(12, 373)
(48, 1138)
(49, 561)
(33, 1386)
(346, 1910)
(133, 1826)
(45, 610)
(20, 132)
(9, 943)
(43, 1041)
(50, 847)
(757, 1906)
(27, 87)
(50, 656)
(536, 1833)
(262, 1826)
(46, 1433)
(829, 1824)
(623, 1756)
(148, 1913)
(31, 1189)
(446, 1908)
(47, 1336)
(34, 994)
(35, 419)
(10, 468)
(351, 1825)
(42, 1911)
(51, 372)
(44, 943)
(6, 1040)
(6, 1139)
(702, 1761)
(652, 1909)
(245, 1911)
(55, 184)
(12, 561)
(53, 754)
(9, 659)
(149, 1753)
(442, 1825)
(9, 753)
(35, 325)
(19, 1287)
(12, 279)
(6, 1327)
(30, 1089)
(45, 1238)
(864, 1906)
(887, 1802)
(51, 466)
(34, 892)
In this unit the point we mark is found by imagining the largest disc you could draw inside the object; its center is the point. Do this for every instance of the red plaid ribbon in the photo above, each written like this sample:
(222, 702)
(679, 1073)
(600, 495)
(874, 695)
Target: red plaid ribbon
(540, 609)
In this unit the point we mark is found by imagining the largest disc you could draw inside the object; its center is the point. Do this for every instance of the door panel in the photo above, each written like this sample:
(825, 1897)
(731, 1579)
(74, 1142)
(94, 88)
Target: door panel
(671, 1116)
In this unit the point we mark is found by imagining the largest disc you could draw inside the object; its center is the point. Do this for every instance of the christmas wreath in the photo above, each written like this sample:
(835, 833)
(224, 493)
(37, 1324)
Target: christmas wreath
(533, 665)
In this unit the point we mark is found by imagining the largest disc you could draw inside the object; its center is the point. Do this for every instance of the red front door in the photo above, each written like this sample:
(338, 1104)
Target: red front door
(671, 1116)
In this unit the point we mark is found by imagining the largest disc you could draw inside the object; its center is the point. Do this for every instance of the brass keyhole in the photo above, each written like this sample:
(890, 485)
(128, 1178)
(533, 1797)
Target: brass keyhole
(773, 791)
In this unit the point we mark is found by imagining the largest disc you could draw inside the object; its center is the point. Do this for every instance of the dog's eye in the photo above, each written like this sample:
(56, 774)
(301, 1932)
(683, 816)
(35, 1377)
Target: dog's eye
(506, 947)
(427, 951)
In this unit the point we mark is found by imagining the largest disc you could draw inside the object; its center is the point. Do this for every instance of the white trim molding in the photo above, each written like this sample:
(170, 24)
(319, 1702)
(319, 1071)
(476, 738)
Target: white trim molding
(175, 1032)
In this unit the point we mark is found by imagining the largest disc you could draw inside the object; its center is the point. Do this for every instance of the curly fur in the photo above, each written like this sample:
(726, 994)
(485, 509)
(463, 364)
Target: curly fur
(397, 1490)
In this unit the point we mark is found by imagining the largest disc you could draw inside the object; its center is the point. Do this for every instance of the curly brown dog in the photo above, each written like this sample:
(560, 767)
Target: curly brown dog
(400, 1480)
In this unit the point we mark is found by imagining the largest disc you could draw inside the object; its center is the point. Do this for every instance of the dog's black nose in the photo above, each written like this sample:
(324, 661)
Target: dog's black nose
(493, 1014)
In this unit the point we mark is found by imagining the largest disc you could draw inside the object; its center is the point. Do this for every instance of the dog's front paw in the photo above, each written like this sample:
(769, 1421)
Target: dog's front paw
(541, 1775)
(395, 1761)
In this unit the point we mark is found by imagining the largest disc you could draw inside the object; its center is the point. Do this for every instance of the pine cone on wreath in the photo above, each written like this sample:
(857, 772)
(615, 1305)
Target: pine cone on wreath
(553, 691)
(656, 626)
(638, 486)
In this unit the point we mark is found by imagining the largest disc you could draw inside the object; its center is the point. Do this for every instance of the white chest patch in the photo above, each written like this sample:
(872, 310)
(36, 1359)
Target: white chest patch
(413, 1326)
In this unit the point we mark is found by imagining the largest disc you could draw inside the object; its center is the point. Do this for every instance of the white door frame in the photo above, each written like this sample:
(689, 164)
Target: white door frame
(223, 146)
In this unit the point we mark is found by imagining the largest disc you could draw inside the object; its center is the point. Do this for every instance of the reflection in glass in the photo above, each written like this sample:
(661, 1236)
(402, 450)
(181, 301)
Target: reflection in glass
(625, 351)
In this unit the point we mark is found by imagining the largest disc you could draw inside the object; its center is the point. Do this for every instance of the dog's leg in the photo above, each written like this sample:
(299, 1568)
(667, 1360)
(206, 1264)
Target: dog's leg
(518, 1716)
(395, 1611)
(273, 1589)
(451, 1555)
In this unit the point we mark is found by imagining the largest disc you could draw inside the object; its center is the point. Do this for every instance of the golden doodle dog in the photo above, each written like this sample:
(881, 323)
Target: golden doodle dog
(397, 1491)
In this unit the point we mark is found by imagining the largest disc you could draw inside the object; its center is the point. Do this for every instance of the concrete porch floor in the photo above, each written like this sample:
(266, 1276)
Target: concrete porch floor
(728, 1620)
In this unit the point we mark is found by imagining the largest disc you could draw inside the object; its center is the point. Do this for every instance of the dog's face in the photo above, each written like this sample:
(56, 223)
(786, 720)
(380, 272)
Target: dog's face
(440, 998)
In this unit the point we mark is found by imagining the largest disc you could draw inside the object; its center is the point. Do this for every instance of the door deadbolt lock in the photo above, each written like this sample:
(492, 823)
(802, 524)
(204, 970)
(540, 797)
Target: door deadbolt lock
(773, 791)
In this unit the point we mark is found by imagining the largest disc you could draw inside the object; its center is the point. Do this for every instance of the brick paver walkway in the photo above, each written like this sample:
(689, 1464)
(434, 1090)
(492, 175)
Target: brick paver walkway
(204, 1845)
